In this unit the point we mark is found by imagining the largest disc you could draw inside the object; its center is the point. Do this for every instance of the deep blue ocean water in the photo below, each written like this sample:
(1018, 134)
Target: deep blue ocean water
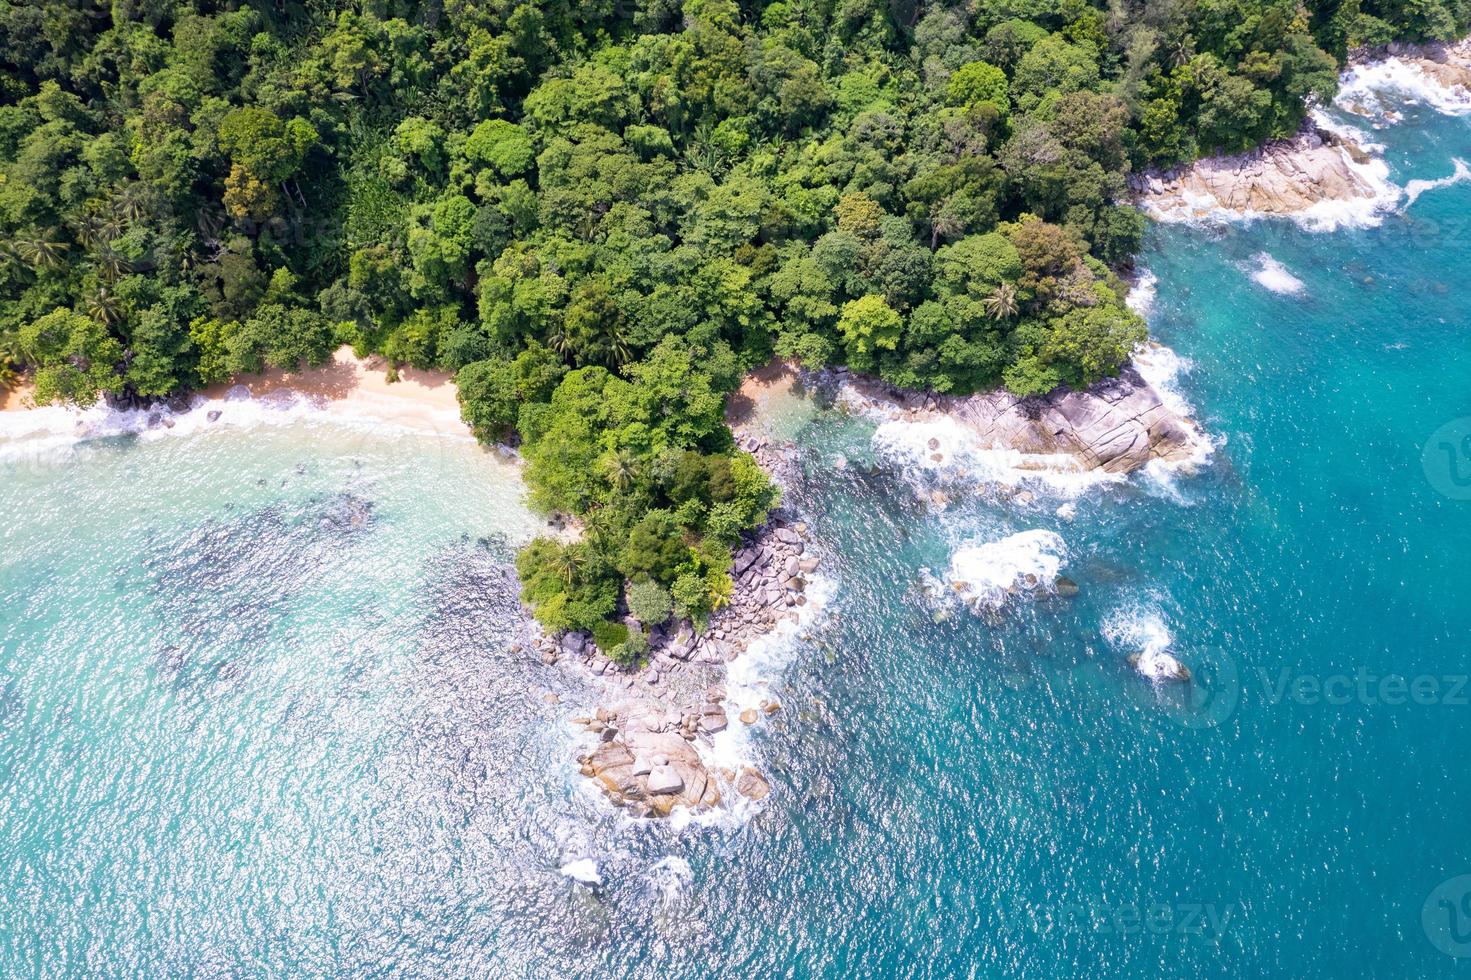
(259, 715)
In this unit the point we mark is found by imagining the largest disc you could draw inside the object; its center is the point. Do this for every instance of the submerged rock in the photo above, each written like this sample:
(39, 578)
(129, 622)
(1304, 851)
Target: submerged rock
(1159, 665)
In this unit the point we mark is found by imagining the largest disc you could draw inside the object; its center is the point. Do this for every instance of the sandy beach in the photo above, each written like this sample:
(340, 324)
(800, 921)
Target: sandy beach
(346, 385)
(17, 399)
(352, 385)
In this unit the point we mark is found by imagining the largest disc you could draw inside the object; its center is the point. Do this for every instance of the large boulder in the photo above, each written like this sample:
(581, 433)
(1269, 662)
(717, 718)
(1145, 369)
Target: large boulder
(1116, 426)
(658, 770)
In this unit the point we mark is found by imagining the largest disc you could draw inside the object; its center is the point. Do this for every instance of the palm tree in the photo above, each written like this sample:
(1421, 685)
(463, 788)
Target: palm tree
(1001, 304)
(619, 353)
(620, 469)
(567, 562)
(209, 221)
(102, 306)
(135, 203)
(112, 266)
(88, 230)
(43, 251)
(561, 342)
(721, 591)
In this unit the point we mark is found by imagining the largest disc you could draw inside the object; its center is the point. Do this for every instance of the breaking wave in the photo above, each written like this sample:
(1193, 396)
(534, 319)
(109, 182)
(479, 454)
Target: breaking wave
(985, 575)
(1273, 275)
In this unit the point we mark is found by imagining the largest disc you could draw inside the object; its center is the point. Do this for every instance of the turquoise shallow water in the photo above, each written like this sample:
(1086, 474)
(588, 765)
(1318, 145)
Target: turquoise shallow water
(259, 714)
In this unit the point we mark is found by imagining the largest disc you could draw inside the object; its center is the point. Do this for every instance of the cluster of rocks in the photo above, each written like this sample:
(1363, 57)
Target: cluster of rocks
(1448, 65)
(1283, 177)
(646, 758)
(770, 574)
(1117, 426)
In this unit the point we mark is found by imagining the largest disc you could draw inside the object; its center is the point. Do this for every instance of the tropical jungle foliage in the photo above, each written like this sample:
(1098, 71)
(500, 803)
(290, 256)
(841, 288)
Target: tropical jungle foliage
(600, 212)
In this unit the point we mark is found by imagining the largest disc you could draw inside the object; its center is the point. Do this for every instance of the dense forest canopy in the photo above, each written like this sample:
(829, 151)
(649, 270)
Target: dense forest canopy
(600, 213)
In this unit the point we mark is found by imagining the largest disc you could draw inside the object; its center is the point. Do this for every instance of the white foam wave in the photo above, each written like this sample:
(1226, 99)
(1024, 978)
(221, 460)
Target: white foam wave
(987, 574)
(1273, 275)
(1415, 188)
(671, 875)
(584, 870)
(1161, 368)
(750, 685)
(940, 448)
(1140, 633)
(50, 431)
(1378, 86)
(1330, 123)
(1143, 293)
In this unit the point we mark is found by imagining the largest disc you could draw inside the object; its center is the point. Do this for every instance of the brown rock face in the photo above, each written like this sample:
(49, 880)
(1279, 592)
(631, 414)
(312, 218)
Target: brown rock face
(753, 785)
(651, 767)
(675, 774)
(1286, 177)
(1116, 426)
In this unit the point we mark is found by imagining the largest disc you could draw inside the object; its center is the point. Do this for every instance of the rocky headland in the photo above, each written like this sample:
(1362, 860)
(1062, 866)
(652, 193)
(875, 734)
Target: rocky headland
(1320, 176)
(654, 735)
(1116, 426)
(1328, 175)
(651, 744)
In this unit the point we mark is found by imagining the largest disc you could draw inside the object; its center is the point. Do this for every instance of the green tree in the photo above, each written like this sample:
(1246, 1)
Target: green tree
(868, 325)
(76, 359)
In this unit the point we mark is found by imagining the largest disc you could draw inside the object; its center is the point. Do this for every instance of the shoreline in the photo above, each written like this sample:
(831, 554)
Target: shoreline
(348, 380)
(347, 390)
(670, 736)
(1330, 174)
(344, 381)
(667, 734)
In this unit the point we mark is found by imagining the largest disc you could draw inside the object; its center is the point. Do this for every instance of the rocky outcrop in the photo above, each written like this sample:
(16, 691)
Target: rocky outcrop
(660, 714)
(646, 759)
(1116, 426)
(1160, 666)
(1325, 176)
(1314, 171)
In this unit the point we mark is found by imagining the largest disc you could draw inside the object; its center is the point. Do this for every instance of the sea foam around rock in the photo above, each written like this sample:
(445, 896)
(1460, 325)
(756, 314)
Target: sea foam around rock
(984, 575)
